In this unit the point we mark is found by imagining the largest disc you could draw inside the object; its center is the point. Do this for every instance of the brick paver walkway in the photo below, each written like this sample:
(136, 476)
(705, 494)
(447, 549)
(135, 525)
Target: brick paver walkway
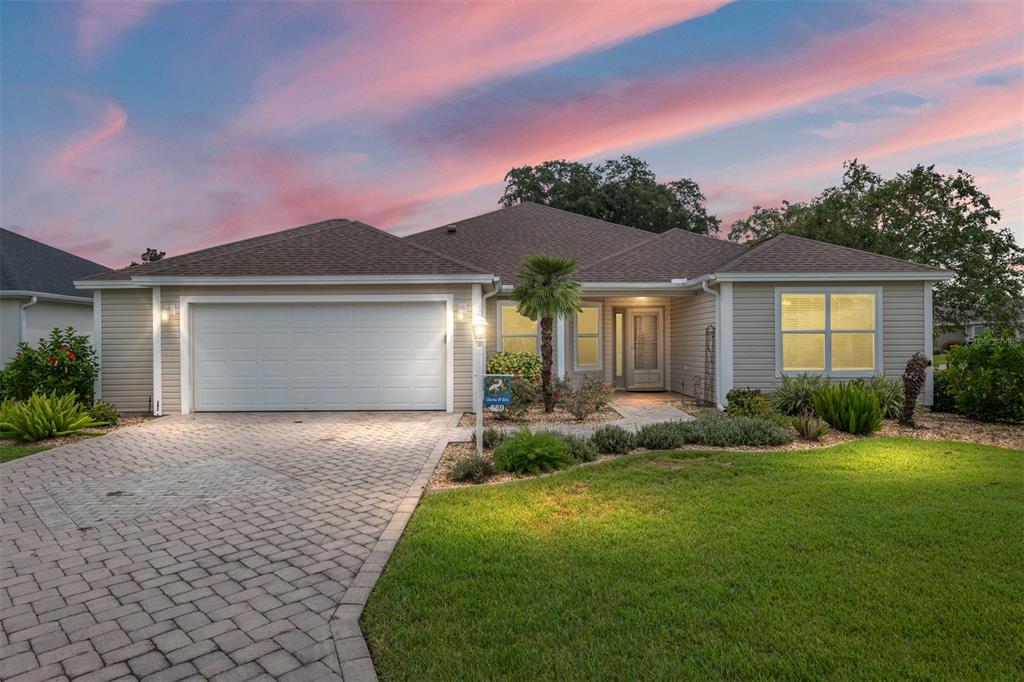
(208, 546)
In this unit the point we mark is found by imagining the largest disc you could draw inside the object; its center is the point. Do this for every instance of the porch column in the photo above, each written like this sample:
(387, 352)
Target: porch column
(726, 333)
(158, 392)
(560, 347)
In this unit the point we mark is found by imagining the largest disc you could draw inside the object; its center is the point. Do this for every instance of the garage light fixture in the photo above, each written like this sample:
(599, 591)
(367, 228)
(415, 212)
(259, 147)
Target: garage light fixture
(167, 312)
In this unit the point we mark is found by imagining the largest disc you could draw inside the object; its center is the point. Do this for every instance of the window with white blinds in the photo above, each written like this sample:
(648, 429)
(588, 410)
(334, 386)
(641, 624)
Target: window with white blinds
(834, 332)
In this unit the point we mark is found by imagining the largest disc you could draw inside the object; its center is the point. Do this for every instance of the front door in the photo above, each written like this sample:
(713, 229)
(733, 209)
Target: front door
(645, 365)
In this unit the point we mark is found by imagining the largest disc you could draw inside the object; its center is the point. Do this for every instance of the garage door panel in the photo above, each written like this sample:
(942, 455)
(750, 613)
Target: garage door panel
(319, 356)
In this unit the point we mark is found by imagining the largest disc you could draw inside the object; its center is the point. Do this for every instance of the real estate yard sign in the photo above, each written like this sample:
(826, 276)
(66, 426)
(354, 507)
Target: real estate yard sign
(497, 391)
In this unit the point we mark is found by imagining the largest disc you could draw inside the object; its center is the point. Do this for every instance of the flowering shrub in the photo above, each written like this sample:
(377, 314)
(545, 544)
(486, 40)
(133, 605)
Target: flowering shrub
(524, 365)
(63, 363)
(584, 399)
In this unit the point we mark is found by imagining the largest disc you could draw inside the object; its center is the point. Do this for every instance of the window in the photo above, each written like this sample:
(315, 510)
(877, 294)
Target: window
(516, 333)
(833, 332)
(588, 337)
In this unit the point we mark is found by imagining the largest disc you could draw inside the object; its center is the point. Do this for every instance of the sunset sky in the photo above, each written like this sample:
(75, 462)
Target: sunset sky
(129, 125)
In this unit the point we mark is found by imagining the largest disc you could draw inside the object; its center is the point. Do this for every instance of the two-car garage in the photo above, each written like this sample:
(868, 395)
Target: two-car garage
(319, 355)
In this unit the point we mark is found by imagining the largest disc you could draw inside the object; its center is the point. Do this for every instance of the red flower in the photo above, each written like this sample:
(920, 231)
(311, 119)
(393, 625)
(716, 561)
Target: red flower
(71, 356)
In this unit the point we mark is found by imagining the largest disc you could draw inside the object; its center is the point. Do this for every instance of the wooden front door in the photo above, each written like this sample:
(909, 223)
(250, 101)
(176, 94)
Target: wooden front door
(645, 346)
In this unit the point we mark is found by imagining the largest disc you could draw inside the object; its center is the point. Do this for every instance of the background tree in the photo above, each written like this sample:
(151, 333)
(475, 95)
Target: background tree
(623, 190)
(919, 215)
(544, 290)
(151, 256)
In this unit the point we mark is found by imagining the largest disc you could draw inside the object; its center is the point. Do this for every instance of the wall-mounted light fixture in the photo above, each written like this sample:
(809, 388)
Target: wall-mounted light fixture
(479, 329)
(168, 311)
(462, 311)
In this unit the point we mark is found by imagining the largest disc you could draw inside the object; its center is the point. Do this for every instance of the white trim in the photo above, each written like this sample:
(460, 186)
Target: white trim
(719, 396)
(156, 280)
(725, 331)
(560, 346)
(43, 296)
(158, 381)
(186, 341)
(673, 284)
(600, 338)
(829, 276)
(827, 331)
(104, 284)
(929, 342)
(97, 343)
(500, 341)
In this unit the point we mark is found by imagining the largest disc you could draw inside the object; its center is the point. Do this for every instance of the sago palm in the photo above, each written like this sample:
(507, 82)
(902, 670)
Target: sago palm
(544, 291)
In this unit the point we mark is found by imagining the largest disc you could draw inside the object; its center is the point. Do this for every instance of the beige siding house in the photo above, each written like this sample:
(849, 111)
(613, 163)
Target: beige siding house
(341, 316)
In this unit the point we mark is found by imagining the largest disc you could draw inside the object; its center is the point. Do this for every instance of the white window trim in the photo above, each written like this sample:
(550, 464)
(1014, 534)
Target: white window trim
(501, 333)
(828, 291)
(600, 338)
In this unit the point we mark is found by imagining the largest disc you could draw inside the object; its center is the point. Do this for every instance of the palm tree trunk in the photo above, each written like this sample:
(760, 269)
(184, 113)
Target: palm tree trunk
(546, 353)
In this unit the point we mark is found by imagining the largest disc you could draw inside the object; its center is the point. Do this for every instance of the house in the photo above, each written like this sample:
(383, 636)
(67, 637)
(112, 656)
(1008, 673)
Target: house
(37, 291)
(339, 315)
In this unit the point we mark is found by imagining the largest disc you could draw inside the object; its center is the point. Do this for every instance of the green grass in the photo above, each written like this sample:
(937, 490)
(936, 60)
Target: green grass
(9, 452)
(879, 559)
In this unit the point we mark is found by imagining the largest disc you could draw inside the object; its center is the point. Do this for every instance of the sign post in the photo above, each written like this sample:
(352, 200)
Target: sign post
(496, 395)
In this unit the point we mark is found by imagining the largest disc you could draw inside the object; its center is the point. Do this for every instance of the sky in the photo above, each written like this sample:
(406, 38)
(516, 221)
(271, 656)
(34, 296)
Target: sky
(178, 125)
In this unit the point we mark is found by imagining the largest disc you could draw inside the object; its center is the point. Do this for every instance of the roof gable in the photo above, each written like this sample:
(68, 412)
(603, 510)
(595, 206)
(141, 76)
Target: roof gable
(29, 265)
(329, 248)
(670, 255)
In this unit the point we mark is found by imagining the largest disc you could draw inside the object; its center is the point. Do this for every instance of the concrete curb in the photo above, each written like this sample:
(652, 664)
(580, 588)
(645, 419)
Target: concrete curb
(354, 659)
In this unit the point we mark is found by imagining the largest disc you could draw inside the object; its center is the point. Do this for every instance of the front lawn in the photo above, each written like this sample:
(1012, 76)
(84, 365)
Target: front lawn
(877, 559)
(9, 452)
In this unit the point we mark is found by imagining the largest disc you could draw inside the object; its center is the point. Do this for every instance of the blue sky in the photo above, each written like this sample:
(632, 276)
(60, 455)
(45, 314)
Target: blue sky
(176, 125)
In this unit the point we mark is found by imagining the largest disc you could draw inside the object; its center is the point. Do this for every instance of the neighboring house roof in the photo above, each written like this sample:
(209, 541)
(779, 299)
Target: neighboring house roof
(670, 255)
(785, 253)
(31, 266)
(498, 241)
(329, 248)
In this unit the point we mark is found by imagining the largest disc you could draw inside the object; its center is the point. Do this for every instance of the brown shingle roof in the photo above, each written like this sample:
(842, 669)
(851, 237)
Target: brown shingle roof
(672, 254)
(331, 247)
(498, 241)
(790, 254)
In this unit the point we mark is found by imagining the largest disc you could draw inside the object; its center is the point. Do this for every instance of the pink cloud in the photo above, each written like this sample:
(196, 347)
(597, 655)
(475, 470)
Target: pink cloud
(69, 159)
(395, 55)
(101, 22)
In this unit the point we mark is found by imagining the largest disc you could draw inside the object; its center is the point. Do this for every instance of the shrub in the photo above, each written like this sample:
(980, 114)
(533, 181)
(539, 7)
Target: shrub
(914, 378)
(581, 448)
(986, 378)
(584, 399)
(809, 427)
(889, 393)
(944, 400)
(719, 432)
(523, 365)
(661, 436)
(612, 440)
(104, 412)
(524, 394)
(63, 363)
(473, 469)
(795, 395)
(531, 453)
(491, 437)
(849, 408)
(748, 402)
(43, 415)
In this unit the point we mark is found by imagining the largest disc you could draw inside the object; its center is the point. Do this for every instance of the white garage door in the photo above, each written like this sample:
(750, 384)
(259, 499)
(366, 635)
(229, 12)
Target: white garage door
(319, 356)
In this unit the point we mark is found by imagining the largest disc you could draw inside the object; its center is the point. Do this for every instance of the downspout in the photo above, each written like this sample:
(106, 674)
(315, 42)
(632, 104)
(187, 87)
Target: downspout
(718, 342)
(23, 329)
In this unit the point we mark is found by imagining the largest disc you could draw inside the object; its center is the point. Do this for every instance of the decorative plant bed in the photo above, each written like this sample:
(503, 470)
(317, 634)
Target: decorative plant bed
(537, 416)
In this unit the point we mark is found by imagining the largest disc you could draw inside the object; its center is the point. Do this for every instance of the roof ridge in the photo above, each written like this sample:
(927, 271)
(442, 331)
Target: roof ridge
(601, 220)
(704, 236)
(655, 236)
(853, 248)
(425, 249)
(750, 250)
(51, 246)
(661, 235)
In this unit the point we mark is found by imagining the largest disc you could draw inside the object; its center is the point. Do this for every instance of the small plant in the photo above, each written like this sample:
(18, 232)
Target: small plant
(914, 378)
(849, 408)
(530, 453)
(809, 427)
(717, 431)
(612, 440)
(523, 365)
(796, 394)
(492, 437)
(43, 415)
(63, 363)
(584, 399)
(524, 394)
(472, 469)
(986, 379)
(748, 402)
(581, 448)
(662, 435)
(890, 394)
(104, 412)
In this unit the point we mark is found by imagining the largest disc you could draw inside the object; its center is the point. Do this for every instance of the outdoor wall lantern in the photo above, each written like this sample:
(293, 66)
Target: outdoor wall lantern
(479, 329)
(167, 312)
(461, 311)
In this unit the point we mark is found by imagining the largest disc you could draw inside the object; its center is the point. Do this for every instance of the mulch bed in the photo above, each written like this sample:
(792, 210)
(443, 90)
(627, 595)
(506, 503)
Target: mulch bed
(946, 426)
(536, 416)
(84, 434)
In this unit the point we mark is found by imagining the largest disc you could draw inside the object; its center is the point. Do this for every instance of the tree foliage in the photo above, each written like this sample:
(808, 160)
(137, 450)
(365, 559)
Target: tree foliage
(623, 190)
(151, 255)
(920, 215)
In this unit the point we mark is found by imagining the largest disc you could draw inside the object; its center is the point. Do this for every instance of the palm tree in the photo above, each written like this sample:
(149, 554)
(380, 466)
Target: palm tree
(543, 292)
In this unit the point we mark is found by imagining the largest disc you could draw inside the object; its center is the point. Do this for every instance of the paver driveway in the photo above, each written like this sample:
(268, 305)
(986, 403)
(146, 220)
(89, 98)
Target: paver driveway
(209, 545)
